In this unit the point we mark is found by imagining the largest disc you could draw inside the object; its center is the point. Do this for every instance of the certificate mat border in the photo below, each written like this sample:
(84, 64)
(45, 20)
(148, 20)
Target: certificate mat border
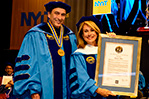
(102, 39)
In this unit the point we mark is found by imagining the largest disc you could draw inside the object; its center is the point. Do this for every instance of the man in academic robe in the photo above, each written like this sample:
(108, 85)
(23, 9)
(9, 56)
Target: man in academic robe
(42, 64)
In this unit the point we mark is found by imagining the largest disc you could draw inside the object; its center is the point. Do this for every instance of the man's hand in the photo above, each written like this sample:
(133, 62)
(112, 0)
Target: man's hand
(11, 82)
(35, 96)
(8, 85)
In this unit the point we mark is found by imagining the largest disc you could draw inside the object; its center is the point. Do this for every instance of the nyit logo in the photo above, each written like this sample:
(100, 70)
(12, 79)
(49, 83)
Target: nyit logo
(26, 20)
(101, 3)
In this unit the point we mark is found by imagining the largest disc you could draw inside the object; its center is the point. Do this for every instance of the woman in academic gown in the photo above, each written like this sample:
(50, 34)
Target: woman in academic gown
(83, 62)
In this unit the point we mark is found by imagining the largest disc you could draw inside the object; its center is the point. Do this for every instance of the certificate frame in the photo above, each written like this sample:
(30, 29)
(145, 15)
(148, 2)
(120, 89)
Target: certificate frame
(132, 76)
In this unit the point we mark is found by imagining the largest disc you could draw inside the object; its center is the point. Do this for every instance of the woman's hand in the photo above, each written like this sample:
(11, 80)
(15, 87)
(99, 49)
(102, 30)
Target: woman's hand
(35, 96)
(104, 92)
(111, 34)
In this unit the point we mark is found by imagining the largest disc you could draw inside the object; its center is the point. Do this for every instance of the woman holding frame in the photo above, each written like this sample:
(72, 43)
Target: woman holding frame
(83, 62)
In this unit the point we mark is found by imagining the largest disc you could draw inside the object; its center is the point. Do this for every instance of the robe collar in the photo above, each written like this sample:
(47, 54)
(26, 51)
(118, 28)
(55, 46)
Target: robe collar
(43, 27)
(88, 49)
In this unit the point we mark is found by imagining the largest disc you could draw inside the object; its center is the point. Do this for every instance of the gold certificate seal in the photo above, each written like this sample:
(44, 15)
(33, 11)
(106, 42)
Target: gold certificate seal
(119, 49)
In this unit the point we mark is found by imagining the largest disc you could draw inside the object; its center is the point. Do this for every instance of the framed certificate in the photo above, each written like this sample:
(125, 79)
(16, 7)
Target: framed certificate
(118, 63)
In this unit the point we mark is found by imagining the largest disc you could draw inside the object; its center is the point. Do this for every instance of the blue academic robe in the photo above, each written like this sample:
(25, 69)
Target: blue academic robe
(142, 82)
(82, 73)
(39, 68)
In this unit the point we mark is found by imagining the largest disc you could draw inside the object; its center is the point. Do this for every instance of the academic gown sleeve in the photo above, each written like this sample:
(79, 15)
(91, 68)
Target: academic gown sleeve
(27, 76)
(81, 84)
(141, 82)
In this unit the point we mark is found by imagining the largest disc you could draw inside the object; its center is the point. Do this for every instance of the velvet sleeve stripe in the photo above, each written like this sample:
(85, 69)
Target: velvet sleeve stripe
(73, 79)
(21, 67)
(23, 57)
(21, 77)
(75, 87)
(73, 70)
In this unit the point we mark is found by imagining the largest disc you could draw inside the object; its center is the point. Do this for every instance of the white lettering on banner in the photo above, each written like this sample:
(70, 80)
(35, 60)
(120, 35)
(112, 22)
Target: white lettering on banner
(101, 3)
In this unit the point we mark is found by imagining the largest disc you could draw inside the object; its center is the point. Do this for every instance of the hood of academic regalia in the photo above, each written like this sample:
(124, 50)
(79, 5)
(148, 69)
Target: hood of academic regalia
(88, 50)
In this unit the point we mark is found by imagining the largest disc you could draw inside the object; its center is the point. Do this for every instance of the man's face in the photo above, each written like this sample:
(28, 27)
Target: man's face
(9, 70)
(57, 16)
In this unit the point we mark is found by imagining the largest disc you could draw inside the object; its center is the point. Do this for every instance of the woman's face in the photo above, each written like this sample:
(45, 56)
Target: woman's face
(89, 35)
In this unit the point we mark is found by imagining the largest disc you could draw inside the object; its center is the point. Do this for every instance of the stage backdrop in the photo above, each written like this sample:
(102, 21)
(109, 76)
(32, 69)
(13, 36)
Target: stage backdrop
(26, 14)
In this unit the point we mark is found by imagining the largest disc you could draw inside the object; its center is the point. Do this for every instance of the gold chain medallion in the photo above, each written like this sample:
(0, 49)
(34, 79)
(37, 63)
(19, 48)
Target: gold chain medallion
(61, 52)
